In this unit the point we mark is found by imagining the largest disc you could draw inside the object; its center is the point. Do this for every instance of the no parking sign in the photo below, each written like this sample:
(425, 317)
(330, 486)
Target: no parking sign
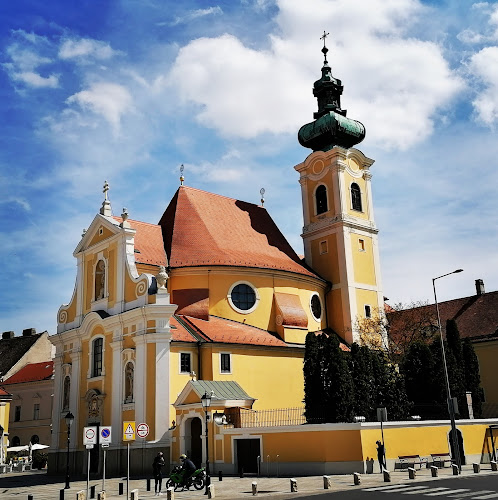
(105, 435)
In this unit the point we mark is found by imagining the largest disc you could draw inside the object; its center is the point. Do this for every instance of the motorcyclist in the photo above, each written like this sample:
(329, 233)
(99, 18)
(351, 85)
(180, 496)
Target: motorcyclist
(188, 469)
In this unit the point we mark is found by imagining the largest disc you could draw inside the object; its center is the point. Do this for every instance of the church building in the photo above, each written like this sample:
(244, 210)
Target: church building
(213, 297)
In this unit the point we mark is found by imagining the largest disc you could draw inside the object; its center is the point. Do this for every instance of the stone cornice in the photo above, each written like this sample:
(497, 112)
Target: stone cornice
(341, 219)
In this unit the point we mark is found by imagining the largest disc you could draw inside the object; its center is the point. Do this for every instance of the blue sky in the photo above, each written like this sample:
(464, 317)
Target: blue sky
(126, 91)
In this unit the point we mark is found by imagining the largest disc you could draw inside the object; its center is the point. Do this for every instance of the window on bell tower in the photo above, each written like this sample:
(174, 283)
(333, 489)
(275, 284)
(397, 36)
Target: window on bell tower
(321, 199)
(356, 197)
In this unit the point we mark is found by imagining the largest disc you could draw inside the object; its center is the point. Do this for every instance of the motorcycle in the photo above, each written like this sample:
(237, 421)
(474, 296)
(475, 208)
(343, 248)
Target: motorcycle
(197, 479)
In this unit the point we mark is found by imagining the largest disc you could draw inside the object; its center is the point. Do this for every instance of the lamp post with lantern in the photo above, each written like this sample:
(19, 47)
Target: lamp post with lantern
(451, 406)
(206, 403)
(69, 418)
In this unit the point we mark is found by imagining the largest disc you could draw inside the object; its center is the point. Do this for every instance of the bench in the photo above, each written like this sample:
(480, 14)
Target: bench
(439, 459)
(406, 461)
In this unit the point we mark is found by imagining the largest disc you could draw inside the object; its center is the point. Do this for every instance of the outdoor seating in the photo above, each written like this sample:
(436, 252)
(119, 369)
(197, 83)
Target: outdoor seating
(406, 461)
(439, 459)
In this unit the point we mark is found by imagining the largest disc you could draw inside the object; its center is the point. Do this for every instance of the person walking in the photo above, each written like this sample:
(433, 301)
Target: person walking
(381, 456)
(156, 471)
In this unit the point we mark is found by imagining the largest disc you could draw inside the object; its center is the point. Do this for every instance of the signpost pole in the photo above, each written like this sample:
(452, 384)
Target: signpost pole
(88, 475)
(128, 475)
(103, 473)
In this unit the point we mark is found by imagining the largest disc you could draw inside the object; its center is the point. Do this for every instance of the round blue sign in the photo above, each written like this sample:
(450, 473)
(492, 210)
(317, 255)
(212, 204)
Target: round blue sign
(106, 433)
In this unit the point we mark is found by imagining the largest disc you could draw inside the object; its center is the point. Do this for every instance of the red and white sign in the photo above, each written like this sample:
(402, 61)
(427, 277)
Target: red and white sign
(142, 430)
(89, 435)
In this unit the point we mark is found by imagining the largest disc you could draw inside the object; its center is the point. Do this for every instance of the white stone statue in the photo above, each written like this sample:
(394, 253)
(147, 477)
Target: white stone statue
(161, 278)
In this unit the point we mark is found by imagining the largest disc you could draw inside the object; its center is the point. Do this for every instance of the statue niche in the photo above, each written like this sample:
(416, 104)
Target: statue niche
(100, 280)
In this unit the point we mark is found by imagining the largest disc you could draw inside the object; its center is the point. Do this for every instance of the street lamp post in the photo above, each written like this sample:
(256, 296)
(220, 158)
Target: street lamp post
(69, 420)
(451, 408)
(206, 403)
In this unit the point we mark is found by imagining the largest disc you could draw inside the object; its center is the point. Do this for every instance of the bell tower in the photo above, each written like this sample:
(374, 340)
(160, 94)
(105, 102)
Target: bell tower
(339, 233)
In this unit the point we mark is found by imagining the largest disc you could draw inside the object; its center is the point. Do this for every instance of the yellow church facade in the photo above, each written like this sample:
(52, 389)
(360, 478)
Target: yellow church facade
(213, 293)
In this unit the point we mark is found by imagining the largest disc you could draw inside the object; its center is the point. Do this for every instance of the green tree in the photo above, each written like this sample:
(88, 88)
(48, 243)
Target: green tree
(338, 382)
(456, 368)
(360, 363)
(313, 378)
(472, 377)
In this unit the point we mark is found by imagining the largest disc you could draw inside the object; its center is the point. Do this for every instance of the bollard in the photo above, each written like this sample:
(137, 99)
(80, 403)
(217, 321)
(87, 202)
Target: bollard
(254, 488)
(211, 493)
(92, 491)
(387, 476)
(220, 476)
(455, 469)
(81, 495)
(293, 485)
(476, 467)
(134, 494)
(148, 484)
(120, 488)
(170, 494)
(101, 495)
(327, 482)
(494, 466)
(411, 473)
(434, 471)
(61, 494)
(357, 478)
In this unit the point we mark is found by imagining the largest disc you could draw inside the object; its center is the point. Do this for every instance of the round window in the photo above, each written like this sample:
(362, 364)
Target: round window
(243, 297)
(316, 307)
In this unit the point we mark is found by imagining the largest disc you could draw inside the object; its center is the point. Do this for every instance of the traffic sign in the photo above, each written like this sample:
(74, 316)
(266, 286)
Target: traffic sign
(142, 430)
(105, 435)
(128, 431)
(89, 435)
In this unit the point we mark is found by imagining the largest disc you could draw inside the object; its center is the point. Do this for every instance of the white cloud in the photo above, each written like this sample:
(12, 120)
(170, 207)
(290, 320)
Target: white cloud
(484, 65)
(85, 48)
(196, 14)
(109, 100)
(384, 71)
(35, 80)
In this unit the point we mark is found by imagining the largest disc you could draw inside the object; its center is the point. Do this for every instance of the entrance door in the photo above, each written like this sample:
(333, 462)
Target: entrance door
(248, 451)
(196, 441)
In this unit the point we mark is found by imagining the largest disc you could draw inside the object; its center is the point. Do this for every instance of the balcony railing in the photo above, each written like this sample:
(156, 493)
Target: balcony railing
(243, 417)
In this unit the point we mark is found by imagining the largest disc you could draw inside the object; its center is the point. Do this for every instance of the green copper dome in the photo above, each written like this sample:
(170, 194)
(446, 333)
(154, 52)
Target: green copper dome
(331, 127)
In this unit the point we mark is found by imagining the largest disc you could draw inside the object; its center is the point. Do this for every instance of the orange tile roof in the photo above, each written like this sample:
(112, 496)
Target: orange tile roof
(32, 372)
(149, 245)
(223, 331)
(205, 229)
(291, 309)
(4, 392)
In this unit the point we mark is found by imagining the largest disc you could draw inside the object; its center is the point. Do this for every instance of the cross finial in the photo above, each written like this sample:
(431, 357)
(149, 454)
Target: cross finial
(106, 188)
(262, 193)
(182, 168)
(324, 50)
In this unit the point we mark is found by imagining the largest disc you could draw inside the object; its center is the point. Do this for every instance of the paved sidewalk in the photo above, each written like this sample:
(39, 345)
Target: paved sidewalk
(16, 486)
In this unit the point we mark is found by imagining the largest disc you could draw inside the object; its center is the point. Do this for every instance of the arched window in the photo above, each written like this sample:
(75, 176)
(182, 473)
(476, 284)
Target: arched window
(16, 441)
(97, 352)
(35, 439)
(321, 199)
(356, 197)
(100, 280)
(129, 375)
(66, 392)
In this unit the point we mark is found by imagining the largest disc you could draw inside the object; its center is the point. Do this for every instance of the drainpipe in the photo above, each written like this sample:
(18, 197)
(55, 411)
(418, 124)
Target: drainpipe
(199, 363)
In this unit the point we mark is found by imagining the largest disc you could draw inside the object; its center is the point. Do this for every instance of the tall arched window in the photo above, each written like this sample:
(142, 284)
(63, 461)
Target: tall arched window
(97, 351)
(321, 199)
(129, 379)
(99, 280)
(356, 197)
(66, 391)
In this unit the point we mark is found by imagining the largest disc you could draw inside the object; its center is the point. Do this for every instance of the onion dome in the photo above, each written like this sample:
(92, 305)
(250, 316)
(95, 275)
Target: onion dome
(331, 127)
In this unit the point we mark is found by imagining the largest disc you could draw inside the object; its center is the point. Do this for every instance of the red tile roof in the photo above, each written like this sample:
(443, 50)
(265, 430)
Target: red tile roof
(4, 392)
(225, 331)
(476, 316)
(32, 372)
(205, 229)
(291, 310)
(149, 245)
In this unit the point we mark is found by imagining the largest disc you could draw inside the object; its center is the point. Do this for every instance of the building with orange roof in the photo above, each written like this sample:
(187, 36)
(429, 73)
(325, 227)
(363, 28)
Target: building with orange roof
(213, 293)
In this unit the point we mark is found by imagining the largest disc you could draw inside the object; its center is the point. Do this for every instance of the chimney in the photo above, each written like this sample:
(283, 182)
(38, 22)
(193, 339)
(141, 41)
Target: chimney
(480, 287)
(28, 332)
(7, 335)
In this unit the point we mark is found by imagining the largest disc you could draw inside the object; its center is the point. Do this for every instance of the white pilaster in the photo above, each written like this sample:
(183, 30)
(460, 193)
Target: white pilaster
(117, 383)
(57, 401)
(140, 391)
(75, 396)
